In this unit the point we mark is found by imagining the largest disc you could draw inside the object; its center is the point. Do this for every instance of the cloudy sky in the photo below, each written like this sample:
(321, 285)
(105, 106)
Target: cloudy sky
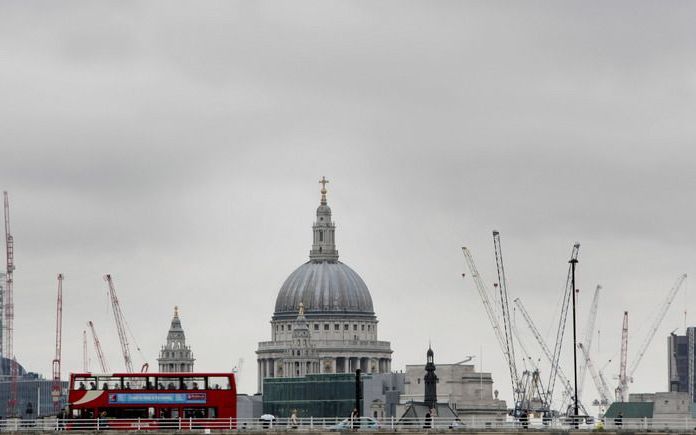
(177, 146)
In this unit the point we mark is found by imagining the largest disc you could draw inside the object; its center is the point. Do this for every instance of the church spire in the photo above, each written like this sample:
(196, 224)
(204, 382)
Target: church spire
(324, 245)
(430, 380)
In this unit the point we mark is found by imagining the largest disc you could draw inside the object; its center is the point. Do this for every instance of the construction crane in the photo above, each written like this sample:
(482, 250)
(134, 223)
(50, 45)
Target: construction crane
(540, 339)
(597, 377)
(483, 294)
(537, 388)
(97, 347)
(9, 311)
(56, 389)
(465, 360)
(85, 354)
(505, 312)
(622, 389)
(587, 340)
(122, 326)
(656, 325)
(568, 293)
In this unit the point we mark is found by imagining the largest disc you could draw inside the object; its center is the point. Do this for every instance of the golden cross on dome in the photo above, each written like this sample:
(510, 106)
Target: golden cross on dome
(323, 183)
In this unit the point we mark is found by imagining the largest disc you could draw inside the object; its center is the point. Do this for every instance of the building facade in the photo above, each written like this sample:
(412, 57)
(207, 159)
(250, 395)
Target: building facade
(467, 391)
(175, 355)
(324, 321)
(681, 364)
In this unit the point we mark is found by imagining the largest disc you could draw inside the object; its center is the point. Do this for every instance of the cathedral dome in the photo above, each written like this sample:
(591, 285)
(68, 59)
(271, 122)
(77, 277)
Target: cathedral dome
(325, 288)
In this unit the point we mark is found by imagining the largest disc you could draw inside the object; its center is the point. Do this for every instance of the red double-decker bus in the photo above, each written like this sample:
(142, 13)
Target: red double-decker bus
(154, 400)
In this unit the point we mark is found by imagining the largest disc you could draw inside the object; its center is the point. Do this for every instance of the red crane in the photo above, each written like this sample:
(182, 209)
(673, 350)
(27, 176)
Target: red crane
(9, 312)
(55, 387)
(120, 324)
(122, 327)
(97, 347)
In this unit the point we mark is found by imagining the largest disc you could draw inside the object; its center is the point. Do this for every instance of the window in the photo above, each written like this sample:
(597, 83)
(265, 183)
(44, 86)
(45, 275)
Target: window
(362, 327)
(355, 327)
(289, 327)
(418, 380)
(346, 327)
(326, 326)
(316, 326)
(368, 327)
(282, 327)
(321, 236)
(337, 327)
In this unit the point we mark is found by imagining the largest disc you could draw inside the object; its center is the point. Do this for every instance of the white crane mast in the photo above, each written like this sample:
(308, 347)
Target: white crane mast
(656, 325)
(505, 312)
(483, 294)
(597, 377)
(587, 340)
(564, 380)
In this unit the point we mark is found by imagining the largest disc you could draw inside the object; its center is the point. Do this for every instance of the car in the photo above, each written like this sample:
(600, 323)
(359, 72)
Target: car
(363, 423)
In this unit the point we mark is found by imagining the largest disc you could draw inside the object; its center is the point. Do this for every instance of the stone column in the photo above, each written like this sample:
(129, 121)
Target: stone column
(258, 386)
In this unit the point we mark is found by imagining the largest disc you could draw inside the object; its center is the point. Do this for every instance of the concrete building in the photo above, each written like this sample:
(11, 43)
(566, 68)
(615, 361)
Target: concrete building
(467, 391)
(382, 394)
(175, 355)
(249, 407)
(681, 363)
(665, 406)
(324, 321)
(429, 407)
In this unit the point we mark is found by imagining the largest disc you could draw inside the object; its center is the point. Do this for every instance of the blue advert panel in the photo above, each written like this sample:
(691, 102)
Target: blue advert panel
(156, 398)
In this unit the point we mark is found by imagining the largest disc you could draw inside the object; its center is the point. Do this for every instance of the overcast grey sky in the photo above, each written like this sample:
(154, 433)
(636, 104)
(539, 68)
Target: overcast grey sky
(177, 146)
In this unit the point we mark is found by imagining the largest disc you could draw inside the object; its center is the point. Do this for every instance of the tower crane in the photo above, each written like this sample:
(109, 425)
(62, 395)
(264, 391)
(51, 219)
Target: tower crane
(121, 326)
(483, 294)
(568, 293)
(505, 312)
(9, 311)
(622, 389)
(97, 347)
(564, 380)
(56, 389)
(587, 340)
(597, 377)
(656, 325)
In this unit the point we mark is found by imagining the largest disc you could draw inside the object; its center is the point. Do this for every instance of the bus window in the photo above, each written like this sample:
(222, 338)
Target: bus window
(134, 383)
(169, 412)
(212, 412)
(218, 383)
(195, 412)
(127, 412)
(193, 383)
(82, 413)
(85, 383)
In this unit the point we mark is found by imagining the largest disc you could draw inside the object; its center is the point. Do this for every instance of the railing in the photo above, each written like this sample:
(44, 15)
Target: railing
(310, 424)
